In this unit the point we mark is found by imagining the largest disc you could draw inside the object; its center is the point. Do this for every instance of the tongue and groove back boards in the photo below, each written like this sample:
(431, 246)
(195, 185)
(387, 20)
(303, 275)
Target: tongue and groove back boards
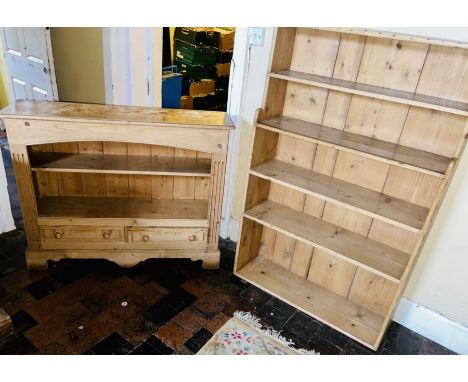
(381, 165)
(122, 185)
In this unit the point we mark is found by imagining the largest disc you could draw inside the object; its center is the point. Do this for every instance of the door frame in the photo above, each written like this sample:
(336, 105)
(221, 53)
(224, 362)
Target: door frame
(132, 65)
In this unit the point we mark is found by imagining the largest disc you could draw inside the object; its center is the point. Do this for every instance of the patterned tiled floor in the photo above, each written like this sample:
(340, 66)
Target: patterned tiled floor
(157, 307)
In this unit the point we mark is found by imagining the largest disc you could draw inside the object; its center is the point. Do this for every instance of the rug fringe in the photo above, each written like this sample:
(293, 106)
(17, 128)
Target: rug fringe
(254, 321)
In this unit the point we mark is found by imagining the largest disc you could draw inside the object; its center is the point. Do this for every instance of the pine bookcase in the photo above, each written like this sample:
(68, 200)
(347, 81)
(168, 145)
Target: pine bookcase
(353, 150)
(118, 182)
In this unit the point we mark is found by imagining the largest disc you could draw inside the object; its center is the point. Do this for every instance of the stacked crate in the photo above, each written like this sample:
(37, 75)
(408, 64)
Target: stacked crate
(203, 57)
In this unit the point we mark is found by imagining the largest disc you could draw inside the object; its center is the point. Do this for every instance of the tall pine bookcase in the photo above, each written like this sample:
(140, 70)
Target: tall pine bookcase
(353, 150)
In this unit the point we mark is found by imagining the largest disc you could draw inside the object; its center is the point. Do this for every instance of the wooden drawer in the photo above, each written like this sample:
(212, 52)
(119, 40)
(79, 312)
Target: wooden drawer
(151, 235)
(82, 234)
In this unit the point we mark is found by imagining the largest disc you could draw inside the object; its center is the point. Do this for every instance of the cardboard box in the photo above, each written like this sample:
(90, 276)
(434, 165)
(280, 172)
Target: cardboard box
(225, 56)
(186, 102)
(226, 38)
(223, 70)
(200, 36)
(202, 88)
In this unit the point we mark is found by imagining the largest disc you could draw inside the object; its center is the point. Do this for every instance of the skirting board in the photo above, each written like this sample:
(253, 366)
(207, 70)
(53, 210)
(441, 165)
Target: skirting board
(432, 325)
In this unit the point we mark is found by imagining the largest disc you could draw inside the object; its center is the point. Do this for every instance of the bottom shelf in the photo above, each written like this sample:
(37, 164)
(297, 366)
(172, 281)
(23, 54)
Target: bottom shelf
(155, 212)
(346, 316)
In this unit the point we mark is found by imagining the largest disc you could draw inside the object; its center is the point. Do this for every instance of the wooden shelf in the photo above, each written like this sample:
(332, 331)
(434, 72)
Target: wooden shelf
(403, 156)
(359, 250)
(157, 212)
(399, 96)
(120, 164)
(344, 315)
(377, 205)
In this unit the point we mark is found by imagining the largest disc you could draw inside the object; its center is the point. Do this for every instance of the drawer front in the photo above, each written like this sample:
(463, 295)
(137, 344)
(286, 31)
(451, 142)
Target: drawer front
(151, 235)
(82, 234)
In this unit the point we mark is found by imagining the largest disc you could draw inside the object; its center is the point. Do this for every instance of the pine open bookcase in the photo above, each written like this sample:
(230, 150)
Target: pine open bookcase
(117, 182)
(353, 150)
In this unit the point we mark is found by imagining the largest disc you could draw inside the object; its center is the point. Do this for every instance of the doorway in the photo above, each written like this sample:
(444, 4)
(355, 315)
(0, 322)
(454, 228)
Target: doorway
(197, 67)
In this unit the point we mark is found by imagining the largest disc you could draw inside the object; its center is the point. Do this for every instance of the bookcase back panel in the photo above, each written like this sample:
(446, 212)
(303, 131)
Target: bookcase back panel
(401, 65)
(121, 185)
(418, 188)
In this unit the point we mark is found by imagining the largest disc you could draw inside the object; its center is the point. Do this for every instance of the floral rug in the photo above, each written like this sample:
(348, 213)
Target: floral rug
(243, 334)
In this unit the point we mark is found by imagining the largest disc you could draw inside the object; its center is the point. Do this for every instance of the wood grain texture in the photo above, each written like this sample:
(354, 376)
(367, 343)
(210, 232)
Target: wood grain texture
(336, 311)
(376, 257)
(393, 95)
(111, 114)
(379, 150)
(364, 200)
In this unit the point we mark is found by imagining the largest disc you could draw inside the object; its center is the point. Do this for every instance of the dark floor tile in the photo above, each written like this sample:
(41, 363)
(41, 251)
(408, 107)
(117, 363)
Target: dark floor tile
(17, 301)
(183, 350)
(402, 341)
(144, 349)
(167, 277)
(354, 348)
(323, 346)
(68, 275)
(136, 329)
(300, 342)
(302, 324)
(179, 299)
(429, 347)
(41, 288)
(272, 317)
(160, 313)
(160, 346)
(22, 321)
(333, 336)
(191, 319)
(281, 306)
(255, 296)
(211, 303)
(146, 295)
(227, 246)
(112, 344)
(385, 351)
(215, 323)
(173, 334)
(197, 286)
(99, 300)
(17, 345)
(197, 341)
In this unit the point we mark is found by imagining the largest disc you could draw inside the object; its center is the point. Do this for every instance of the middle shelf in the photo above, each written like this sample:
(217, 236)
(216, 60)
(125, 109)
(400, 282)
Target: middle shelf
(376, 257)
(120, 164)
(371, 203)
(393, 153)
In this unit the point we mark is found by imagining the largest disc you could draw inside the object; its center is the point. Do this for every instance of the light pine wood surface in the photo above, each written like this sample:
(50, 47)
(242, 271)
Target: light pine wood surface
(129, 183)
(355, 145)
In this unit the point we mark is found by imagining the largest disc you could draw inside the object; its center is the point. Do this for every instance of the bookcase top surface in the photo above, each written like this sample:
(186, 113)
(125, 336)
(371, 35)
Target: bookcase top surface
(60, 111)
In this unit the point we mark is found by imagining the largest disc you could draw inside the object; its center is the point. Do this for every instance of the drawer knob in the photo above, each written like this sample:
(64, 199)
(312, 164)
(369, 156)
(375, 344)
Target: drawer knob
(193, 238)
(58, 234)
(106, 235)
(146, 238)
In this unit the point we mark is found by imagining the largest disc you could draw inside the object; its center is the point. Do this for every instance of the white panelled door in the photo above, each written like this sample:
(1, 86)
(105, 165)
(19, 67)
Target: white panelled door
(29, 62)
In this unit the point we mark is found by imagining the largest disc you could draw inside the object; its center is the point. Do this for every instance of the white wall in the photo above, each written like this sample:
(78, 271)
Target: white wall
(435, 301)
(6, 218)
